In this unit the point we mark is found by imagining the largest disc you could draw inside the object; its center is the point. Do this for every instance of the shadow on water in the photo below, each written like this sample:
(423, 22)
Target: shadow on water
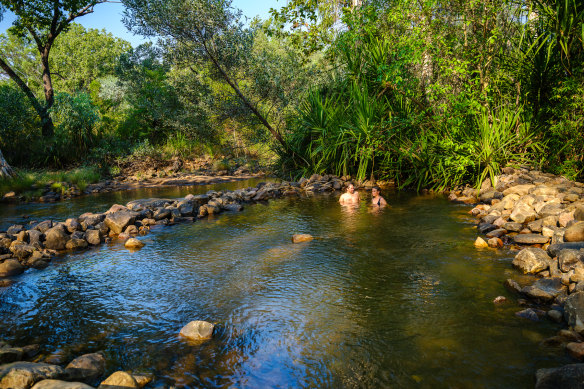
(395, 298)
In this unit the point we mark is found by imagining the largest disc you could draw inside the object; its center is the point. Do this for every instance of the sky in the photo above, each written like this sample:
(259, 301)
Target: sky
(108, 16)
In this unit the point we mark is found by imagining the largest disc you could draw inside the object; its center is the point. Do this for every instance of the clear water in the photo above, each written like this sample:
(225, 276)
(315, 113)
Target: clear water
(397, 298)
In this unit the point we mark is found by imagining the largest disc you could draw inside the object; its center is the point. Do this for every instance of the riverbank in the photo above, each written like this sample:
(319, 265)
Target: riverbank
(48, 187)
(540, 217)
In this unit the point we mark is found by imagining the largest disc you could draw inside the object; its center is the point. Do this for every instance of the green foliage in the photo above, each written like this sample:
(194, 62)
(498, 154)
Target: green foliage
(32, 180)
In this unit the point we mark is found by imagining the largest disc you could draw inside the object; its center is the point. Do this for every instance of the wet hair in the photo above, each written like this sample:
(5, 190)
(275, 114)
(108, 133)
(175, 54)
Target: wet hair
(376, 188)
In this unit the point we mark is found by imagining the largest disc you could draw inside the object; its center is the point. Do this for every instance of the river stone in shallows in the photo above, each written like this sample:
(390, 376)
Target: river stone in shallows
(91, 219)
(56, 238)
(575, 233)
(297, 238)
(57, 384)
(22, 375)
(233, 207)
(10, 267)
(10, 354)
(574, 310)
(86, 367)
(532, 260)
(76, 244)
(120, 379)
(496, 233)
(545, 289)
(117, 221)
(568, 376)
(197, 330)
(134, 243)
(530, 239)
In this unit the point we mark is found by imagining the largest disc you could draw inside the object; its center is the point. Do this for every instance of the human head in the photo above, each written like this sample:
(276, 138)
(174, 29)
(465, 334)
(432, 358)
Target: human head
(375, 191)
(350, 188)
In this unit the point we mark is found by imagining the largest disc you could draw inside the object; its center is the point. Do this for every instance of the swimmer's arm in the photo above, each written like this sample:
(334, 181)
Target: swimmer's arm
(382, 202)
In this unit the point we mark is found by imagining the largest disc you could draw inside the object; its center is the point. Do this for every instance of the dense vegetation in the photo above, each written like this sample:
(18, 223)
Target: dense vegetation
(430, 94)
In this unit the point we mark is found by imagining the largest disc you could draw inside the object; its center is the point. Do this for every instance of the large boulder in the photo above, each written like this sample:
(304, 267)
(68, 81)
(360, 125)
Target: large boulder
(56, 238)
(574, 310)
(575, 233)
(10, 267)
(119, 380)
(58, 384)
(568, 376)
(23, 375)
(86, 367)
(532, 260)
(197, 330)
(117, 221)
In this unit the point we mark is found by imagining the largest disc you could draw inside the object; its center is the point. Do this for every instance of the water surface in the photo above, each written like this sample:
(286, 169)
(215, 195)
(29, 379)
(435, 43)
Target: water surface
(397, 298)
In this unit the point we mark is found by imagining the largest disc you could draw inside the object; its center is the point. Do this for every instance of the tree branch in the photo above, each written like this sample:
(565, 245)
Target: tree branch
(27, 91)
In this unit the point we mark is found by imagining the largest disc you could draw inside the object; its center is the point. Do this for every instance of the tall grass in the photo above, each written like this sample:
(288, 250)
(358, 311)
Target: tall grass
(31, 180)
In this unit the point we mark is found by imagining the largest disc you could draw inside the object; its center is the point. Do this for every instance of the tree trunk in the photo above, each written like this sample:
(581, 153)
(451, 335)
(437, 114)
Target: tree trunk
(5, 170)
(47, 122)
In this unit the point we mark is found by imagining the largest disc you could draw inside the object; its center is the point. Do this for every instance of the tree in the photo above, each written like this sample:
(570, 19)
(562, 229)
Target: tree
(199, 32)
(43, 21)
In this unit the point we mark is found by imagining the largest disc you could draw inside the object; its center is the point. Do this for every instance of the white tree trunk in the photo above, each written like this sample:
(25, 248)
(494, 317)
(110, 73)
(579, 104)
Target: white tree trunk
(5, 169)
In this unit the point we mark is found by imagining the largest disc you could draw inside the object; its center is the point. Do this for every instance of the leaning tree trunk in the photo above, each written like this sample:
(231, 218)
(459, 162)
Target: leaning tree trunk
(5, 170)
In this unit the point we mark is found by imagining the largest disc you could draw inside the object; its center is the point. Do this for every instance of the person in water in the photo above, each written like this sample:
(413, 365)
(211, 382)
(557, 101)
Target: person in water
(350, 196)
(376, 198)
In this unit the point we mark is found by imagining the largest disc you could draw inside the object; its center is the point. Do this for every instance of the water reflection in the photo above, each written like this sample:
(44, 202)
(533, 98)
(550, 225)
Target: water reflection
(394, 299)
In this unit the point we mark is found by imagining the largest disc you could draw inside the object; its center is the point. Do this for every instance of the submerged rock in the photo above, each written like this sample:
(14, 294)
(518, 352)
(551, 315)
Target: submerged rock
(297, 238)
(197, 330)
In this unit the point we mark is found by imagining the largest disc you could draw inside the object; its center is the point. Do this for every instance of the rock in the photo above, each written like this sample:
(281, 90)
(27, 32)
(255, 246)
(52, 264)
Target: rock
(134, 243)
(555, 315)
(500, 299)
(297, 238)
(523, 213)
(93, 237)
(119, 380)
(512, 285)
(131, 230)
(551, 210)
(72, 225)
(545, 289)
(161, 213)
(518, 189)
(233, 207)
(10, 354)
(186, 208)
(197, 330)
(570, 259)
(35, 237)
(22, 375)
(86, 367)
(496, 233)
(92, 219)
(486, 227)
(574, 310)
(512, 226)
(565, 218)
(117, 221)
(57, 384)
(153, 203)
(15, 229)
(116, 208)
(143, 379)
(568, 376)
(10, 267)
(480, 243)
(56, 238)
(579, 213)
(495, 243)
(570, 336)
(555, 249)
(44, 226)
(528, 314)
(530, 239)
(535, 226)
(575, 233)
(532, 260)
(76, 244)
(576, 350)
